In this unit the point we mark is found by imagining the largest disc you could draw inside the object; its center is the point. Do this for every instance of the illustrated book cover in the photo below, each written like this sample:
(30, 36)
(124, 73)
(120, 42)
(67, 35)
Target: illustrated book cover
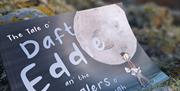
(88, 50)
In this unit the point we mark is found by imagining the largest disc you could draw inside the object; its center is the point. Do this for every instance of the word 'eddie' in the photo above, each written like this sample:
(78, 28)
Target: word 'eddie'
(48, 43)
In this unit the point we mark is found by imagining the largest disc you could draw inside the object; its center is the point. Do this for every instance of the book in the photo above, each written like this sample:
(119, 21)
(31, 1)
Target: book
(88, 50)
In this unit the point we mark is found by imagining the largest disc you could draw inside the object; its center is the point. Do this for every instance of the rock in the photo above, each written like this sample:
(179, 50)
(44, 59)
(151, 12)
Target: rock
(22, 14)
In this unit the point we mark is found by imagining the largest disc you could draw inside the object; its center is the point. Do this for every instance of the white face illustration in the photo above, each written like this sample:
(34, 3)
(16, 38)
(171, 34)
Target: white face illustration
(104, 33)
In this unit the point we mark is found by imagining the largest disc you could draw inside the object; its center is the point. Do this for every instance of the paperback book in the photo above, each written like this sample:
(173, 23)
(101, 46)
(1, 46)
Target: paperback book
(88, 50)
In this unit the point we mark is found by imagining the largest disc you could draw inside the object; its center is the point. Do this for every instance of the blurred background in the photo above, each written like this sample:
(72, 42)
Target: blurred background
(156, 24)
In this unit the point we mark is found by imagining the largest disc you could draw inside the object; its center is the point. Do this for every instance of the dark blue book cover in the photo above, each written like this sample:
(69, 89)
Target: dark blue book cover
(89, 50)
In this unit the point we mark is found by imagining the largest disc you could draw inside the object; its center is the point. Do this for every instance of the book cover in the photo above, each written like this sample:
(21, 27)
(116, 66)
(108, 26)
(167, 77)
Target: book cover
(89, 50)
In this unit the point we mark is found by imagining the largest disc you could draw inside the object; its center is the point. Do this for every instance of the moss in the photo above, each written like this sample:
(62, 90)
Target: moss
(60, 6)
(160, 38)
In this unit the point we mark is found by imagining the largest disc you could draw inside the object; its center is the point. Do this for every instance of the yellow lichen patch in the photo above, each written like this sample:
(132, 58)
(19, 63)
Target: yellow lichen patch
(46, 10)
(60, 6)
(24, 4)
(15, 19)
(157, 21)
(2, 23)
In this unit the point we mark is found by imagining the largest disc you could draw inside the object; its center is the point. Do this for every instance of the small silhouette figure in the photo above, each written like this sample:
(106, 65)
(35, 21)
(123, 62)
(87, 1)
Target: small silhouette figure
(134, 70)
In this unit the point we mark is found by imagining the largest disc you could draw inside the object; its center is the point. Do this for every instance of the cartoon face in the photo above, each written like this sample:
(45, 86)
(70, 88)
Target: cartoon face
(104, 33)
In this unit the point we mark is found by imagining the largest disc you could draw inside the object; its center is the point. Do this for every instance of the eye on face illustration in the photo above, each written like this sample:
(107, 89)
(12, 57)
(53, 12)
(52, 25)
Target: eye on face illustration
(103, 33)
